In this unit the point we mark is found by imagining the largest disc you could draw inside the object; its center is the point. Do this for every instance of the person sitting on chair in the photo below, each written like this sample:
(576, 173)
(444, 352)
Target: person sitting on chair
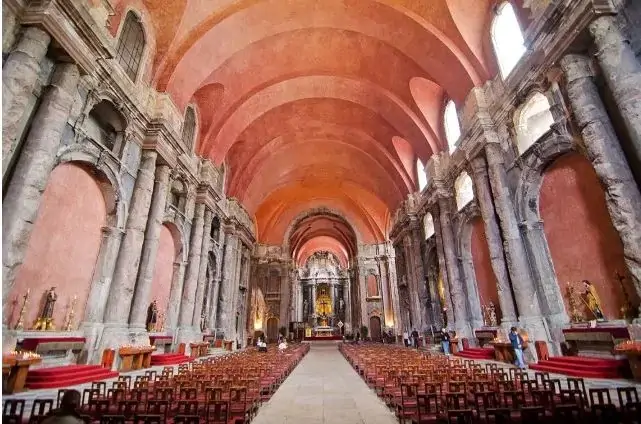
(68, 412)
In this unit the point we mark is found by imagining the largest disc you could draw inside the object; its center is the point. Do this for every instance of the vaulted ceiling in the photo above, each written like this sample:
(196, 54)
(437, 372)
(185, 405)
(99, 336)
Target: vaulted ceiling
(317, 104)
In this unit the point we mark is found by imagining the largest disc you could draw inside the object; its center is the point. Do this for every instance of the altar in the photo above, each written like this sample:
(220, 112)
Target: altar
(323, 331)
(597, 340)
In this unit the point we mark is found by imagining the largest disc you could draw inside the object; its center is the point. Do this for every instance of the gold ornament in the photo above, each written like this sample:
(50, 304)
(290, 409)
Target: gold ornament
(20, 324)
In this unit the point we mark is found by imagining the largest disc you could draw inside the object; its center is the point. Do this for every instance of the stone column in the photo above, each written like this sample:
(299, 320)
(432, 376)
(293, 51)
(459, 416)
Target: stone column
(527, 300)
(228, 286)
(449, 312)
(459, 301)
(175, 295)
(150, 248)
(193, 268)
(19, 78)
(122, 288)
(213, 324)
(385, 292)
(603, 149)
(202, 273)
(24, 192)
(393, 280)
(622, 72)
(101, 283)
(494, 242)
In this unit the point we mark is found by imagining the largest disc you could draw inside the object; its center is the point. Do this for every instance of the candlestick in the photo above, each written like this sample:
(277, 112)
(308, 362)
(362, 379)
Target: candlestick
(20, 324)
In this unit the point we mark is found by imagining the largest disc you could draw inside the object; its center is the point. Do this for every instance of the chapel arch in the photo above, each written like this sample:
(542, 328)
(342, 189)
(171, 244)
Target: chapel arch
(464, 190)
(106, 126)
(583, 243)
(532, 121)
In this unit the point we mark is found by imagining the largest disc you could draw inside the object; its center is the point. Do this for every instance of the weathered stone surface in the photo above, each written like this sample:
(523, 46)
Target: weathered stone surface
(24, 192)
(193, 267)
(126, 272)
(622, 71)
(603, 149)
(459, 301)
(142, 292)
(495, 244)
(19, 77)
(228, 285)
(175, 295)
(202, 272)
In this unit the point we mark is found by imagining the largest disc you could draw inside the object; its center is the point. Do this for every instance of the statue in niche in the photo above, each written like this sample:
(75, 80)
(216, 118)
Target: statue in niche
(45, 321)
(592, 301)
(152, 316)
(492, 314)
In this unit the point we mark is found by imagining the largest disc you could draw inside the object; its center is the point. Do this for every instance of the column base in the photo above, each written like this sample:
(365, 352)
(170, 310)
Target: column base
(464, 330)
(92, 332)
(537, 330)
(187, 335)
(115, 335)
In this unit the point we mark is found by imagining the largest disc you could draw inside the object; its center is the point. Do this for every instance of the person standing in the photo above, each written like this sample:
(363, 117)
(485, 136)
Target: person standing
(415, 338)
(517, 345)
(406, 338)
(68, 412)
(445, 341)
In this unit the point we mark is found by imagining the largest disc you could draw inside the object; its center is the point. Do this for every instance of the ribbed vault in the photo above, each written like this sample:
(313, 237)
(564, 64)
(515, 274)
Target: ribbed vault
(317, 104)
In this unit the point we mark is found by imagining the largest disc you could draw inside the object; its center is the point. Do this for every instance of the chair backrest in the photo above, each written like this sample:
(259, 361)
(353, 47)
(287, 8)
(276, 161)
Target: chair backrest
(627, 395)
(460, 416)
(40, 408)
(578, 384)
(513, 399)
(542, 397)
(600, 397)
(574, 397)
(217, 412)
(426, 405)
(149, 419)
(140, 394)
(532, 414)
(213, 393)
(13, 410)
(499, 415)
(88, 395)
(568, 414)
(186, 419)
(187, 407)
(238, 394)
(187, 393)
(129, 408)
(485, 400)
(112, 419)
(101, 386)
(158, 407)
(456, 401)
(125, 379)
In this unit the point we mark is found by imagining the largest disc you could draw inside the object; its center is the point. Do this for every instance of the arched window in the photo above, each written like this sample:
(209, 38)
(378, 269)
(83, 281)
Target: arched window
(452, 125)
(106, 126)
(428, 225)
(533, 121)
(464, 190)
(189, 128)
(507, 38)
(131, 45)
(422, 178)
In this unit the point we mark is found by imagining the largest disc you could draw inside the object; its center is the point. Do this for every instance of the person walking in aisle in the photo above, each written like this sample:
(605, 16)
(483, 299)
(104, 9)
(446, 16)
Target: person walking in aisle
(445, 341)
(517, 345)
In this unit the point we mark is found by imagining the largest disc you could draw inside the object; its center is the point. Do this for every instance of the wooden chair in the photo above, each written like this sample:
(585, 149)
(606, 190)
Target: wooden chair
(39, 409)
(12, 411)
(498, 416)
(426, 408)
(217, 412)
(112, 419)
(460, 416)
(533, 415)
(149, 419)
(186, 419)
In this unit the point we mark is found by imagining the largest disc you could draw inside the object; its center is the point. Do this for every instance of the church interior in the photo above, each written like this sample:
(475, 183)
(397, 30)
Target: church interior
(346, 211)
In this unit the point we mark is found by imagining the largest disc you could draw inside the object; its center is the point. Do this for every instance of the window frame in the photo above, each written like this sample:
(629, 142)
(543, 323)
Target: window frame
(493, 39)
(132, 17)
(452, 144)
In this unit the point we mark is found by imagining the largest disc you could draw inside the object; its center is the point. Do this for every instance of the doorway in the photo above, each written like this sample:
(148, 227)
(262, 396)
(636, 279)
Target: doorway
(272, 330)
(375, 328)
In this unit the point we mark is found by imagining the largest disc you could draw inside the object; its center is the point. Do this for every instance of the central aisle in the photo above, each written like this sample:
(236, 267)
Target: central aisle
(324, 389)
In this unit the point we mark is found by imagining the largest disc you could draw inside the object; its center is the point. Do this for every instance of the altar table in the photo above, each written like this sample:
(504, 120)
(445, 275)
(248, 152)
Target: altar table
(504, 352)
(18, 368)
(199, 349)
(485, 335)
(597, 341)
(135, 358)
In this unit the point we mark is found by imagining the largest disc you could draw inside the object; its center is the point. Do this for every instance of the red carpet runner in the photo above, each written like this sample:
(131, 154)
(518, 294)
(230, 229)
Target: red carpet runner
(169, 359)
(581, 366)
(321, 338)
(477, 353)
(47, 378)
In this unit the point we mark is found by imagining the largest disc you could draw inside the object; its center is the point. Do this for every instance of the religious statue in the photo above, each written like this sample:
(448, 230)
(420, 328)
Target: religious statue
(591, 299)
(573, 303)
(45, 321)
(492, 314)
(152, 316)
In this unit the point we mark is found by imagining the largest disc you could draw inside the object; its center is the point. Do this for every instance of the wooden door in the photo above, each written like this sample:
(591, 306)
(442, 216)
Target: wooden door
(272, 330)
(375, 328)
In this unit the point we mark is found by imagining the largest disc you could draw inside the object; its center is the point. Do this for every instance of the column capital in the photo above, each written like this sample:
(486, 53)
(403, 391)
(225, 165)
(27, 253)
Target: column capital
(606, 31)
(478, 165)
(576, 66)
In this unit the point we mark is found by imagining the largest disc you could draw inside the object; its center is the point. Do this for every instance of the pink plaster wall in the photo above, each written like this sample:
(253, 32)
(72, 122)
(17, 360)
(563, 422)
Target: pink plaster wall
(582, 241)
(164, 268)
(64, 245)
(485, 278)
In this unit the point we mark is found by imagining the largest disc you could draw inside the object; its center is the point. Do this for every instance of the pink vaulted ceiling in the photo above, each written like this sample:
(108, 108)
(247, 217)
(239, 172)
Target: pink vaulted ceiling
(317, 104)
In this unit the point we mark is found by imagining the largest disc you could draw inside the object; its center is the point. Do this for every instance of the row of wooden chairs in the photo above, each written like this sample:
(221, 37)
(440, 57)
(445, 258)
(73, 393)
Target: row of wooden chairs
(220, 390)
(423, 388)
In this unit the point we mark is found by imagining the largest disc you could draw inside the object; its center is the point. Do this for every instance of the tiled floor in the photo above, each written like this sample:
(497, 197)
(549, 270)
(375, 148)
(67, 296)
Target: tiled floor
(324, 389)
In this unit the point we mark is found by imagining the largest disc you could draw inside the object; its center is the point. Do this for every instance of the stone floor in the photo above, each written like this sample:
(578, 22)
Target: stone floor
(324, 389)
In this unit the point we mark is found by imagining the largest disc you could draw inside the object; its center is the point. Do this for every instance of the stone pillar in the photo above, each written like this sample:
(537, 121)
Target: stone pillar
(193, 268)
(213, 312)
(19, 78)
(395, 304)
(202, 273)
(150, 248)
(24, 192)
(494, 242)
(527, 300)
(175, 295)
(101, 283)
(622, 72)
(459, 301)
(228, 285)
(385, 292)
(449, 309)
(603, 149)
(122, 288)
